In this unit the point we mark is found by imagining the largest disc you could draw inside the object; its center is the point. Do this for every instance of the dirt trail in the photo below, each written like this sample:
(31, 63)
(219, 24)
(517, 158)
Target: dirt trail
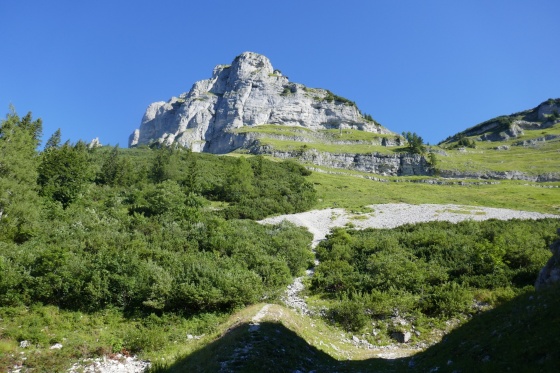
(321, 222)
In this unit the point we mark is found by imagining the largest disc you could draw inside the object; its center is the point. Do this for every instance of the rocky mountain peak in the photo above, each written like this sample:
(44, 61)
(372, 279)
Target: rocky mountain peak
(249, 92)
(249, 65)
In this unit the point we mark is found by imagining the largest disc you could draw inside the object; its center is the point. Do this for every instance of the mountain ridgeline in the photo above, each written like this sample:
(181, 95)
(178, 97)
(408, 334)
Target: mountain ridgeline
(249, 92)
(251, 107)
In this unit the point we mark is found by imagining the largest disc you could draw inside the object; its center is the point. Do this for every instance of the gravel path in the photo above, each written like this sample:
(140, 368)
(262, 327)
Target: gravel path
(391, 215)
(321, 222)
(118, 364)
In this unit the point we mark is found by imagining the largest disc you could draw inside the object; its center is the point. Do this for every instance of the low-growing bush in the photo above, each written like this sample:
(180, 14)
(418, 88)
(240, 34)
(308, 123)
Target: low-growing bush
(436, 269)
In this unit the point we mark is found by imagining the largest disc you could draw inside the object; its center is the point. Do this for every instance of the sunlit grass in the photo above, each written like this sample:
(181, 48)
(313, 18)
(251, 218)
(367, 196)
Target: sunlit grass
(341, 190)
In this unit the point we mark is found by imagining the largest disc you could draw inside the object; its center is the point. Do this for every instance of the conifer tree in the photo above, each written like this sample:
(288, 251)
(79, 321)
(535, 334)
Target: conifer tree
(19, 139)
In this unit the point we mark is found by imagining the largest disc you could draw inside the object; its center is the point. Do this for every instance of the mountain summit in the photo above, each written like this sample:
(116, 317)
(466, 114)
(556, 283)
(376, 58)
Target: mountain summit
(249, 92)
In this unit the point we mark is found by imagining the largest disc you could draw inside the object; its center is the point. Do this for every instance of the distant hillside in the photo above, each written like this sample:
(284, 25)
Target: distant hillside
(506, 127)
(520, 146)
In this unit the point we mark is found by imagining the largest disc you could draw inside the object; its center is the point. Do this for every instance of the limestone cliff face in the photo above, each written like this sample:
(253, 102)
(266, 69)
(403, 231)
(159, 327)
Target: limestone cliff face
(249, 92)
(402, 164)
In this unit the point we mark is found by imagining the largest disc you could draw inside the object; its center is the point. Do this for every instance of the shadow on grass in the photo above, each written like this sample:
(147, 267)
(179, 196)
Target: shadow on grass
(270, 348)
(518, 336)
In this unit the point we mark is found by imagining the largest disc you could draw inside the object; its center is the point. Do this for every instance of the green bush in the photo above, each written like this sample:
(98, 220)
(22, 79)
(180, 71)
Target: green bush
(436, 269)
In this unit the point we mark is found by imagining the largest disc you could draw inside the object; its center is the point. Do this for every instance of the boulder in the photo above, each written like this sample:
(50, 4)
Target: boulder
(550, 274)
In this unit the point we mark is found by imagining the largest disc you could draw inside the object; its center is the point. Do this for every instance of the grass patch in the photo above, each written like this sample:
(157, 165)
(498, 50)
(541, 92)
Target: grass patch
(288, 145)
(340, 190)
(533, 160)
(157, 338)
(273, 129)
(355, 135)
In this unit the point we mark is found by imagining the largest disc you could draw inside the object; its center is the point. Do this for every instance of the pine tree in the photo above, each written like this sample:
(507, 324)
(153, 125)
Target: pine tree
(415, 143)
(64, 172)
(19, 139)
(239, 184)
(54, 140)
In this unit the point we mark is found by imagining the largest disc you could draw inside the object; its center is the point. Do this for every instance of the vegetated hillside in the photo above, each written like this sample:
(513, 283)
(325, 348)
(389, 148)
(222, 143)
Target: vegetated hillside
(523, 145)
(404, 279)
(516, 336)
(148, 234)
(149, 251)
(543, 116)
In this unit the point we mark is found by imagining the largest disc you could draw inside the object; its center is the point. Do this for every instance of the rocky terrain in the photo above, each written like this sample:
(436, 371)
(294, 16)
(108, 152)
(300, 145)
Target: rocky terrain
(235, 108)
(506, 127)
(249, 92)
(550, 274)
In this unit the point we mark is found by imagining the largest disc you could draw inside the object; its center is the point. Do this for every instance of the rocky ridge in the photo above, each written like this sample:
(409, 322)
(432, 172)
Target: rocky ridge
(249, 92)
(399, 164)
(506, 127)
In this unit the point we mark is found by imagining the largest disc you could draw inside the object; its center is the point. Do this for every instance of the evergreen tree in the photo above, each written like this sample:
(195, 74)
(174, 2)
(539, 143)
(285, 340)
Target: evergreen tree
(239, 182)
(415, 143)
(54, 140)
(18, 175)
(163, 165)
(115, 170)
(64, 172)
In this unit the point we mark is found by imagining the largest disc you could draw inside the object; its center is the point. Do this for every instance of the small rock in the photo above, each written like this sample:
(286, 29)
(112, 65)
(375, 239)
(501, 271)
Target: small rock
(24, 344)
(190, 336)
(401, 337)
(94, 143)
(56, 346)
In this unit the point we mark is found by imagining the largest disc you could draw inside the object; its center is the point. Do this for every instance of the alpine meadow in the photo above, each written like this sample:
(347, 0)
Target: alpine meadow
(255, 224)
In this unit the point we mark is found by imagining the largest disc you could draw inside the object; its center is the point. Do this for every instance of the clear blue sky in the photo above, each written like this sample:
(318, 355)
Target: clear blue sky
(434, 67)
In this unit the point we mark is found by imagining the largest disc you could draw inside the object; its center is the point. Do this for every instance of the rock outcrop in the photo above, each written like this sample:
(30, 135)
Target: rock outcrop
(508, 127)
(401, 164)
(249, 92)
(550, 274)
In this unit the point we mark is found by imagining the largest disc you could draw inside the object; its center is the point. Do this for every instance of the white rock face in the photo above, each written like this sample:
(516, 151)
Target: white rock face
(249, 92)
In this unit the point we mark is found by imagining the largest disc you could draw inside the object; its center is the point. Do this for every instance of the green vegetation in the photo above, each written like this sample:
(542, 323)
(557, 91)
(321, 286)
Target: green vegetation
(274, 129)
(291, 145)
(512, 337)
(504, 122)
(489, 343)
(353, 190)
(331, 97)
(112, 250)
(415, 143)
(428, 271)
(127, 240)
(328, 140)
(540, 158)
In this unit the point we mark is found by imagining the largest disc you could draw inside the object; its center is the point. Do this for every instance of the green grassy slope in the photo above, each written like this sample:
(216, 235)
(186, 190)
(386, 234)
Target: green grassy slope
(352, 190)
(291, 138)
(541, 158)
(517, 336)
